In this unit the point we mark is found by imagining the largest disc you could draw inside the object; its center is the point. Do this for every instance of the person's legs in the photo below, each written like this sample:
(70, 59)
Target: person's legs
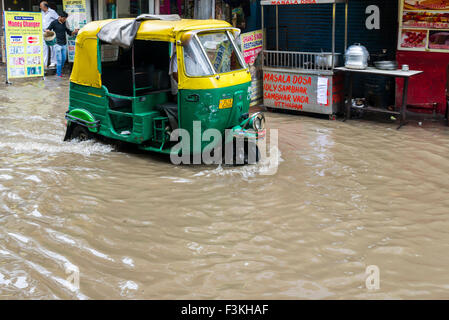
(45, 55)
(58, 53)
(52, 56)
(64, 56)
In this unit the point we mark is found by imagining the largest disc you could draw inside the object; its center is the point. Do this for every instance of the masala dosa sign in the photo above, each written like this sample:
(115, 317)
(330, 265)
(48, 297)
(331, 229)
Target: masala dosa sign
(23, 40)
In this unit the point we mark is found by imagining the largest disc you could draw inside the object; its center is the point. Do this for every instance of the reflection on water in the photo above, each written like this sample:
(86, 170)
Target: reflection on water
(346, 195)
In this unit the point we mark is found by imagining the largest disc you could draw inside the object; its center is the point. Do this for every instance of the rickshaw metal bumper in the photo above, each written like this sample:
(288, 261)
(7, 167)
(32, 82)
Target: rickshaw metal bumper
(247, 134)
(252, 128)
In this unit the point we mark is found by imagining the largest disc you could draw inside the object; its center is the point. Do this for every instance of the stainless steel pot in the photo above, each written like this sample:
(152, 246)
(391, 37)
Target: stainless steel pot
(324, 60)
(356, 57)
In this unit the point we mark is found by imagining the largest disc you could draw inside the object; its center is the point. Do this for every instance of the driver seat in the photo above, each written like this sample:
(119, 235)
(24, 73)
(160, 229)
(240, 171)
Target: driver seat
(170, 110)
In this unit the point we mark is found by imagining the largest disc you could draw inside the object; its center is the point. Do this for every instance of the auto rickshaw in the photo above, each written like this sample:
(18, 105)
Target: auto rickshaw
(125, 93)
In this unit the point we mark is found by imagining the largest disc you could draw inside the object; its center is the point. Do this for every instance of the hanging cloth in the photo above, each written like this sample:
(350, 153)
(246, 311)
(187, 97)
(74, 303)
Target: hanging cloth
(122, 32)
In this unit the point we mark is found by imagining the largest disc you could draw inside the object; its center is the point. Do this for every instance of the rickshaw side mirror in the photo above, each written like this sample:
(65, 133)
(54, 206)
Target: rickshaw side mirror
(185, 38)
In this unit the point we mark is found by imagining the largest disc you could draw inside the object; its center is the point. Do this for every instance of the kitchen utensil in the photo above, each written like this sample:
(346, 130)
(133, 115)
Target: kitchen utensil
(356, 57)
(386, 65)
(324, 60)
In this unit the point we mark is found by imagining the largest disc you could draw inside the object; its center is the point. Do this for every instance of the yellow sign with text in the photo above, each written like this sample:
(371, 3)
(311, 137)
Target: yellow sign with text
(225, 103)
(23, 39)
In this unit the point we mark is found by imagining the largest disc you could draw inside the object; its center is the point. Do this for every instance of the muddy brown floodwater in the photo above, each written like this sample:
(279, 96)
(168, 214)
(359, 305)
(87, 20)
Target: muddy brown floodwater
(346, 195)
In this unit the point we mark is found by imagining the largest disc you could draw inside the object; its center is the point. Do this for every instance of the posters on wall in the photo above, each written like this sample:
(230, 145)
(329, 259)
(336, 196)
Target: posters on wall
(424, 25)
(23, 40)
(76, 20)
(252, 45)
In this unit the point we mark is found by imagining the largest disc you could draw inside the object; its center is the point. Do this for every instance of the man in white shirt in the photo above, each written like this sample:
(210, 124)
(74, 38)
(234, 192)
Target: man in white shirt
(48, 15)
(173, 72)
(193, 68)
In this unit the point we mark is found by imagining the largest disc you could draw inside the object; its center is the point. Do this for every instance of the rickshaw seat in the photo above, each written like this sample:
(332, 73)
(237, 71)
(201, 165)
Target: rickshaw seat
(171, 111)
(118, 104)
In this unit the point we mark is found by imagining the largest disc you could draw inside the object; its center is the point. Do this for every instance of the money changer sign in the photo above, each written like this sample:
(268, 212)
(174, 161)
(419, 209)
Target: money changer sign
(23, 39)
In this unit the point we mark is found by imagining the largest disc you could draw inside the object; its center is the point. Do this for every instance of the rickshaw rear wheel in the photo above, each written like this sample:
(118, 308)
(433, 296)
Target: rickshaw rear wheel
(81, 133)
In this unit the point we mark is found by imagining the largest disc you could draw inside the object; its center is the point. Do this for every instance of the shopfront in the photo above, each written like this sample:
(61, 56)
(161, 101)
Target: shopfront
(423, 43)
(420, 40)
(31, 5)
(243, 14)
(305, 32)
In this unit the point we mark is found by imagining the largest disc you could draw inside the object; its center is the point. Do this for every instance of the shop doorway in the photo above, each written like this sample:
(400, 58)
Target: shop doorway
(15, 5)
(130, 8)
(94, 10)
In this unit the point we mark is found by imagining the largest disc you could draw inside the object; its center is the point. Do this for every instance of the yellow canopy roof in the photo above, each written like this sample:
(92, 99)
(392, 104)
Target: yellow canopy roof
(85, 68)
(162, 30)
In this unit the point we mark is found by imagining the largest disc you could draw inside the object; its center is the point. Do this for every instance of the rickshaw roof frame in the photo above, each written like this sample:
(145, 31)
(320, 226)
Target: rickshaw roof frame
(158, 30)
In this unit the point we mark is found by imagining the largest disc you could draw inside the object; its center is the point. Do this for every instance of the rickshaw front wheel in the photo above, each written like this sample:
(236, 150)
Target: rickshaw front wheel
(248, 153)
(252, 153)
(81, 133)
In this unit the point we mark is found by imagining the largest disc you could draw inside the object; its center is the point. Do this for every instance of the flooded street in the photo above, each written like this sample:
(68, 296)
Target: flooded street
(346, 195)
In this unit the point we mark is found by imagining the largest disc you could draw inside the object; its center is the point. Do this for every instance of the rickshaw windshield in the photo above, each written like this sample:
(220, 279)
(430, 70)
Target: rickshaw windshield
(221, 54)
(195, 62)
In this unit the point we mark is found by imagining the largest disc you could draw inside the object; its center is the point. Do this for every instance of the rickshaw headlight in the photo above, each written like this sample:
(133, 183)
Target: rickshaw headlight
(259, 122)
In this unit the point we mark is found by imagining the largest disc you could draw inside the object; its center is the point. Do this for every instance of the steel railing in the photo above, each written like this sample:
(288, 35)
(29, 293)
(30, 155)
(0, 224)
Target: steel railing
(298, 60)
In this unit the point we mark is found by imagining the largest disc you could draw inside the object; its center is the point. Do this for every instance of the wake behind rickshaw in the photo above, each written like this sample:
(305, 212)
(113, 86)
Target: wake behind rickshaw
(124, 91)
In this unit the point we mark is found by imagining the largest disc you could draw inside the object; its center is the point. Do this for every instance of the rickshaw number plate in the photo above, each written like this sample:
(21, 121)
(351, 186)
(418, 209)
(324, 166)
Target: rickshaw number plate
(225, 103)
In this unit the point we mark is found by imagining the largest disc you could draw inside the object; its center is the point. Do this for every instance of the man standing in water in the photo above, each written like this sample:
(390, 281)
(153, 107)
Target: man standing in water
(48, 16)
(60, 28)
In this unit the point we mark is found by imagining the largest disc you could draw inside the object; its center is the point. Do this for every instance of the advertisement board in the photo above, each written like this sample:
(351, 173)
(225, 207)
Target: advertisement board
(252, 45)
(77, 19)
(293, 91)
(424, 25)
(23, 42)
(303, 92)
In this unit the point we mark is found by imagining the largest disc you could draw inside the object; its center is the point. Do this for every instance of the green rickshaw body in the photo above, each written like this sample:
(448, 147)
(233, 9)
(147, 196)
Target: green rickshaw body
(143, 110)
